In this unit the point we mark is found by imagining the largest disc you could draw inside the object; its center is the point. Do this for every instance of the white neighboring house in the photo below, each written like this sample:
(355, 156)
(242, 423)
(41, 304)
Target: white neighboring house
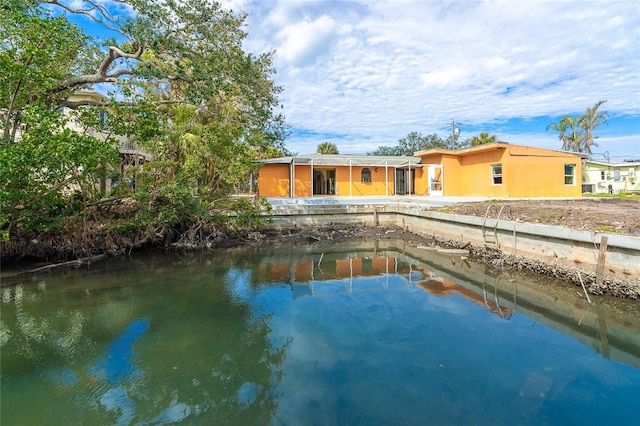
(601, 177)
(130, 153)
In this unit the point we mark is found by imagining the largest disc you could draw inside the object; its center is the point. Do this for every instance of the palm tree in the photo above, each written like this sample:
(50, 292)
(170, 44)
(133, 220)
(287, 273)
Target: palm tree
(561, 128)
(483, 139)
(327, 148)
(576, 133)
(569, 133)
(589, 121)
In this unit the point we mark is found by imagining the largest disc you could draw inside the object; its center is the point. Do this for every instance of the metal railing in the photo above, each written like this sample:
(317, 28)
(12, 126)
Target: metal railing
(486, 237)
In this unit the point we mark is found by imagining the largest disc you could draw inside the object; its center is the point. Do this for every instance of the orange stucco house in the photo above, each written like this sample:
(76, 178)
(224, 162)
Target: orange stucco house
(341, 175)
(497, 169)
(503, 170)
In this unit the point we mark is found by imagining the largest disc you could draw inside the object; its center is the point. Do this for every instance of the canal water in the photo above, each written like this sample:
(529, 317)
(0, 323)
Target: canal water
(362, 333)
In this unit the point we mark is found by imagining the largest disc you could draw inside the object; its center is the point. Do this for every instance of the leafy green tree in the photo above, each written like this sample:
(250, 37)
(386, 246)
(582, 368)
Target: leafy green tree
(180, 86)
(327, 148)
(51, 174)
(37, 53)
(411, 144)
(482, 139)
(386, 150)
(47, 171)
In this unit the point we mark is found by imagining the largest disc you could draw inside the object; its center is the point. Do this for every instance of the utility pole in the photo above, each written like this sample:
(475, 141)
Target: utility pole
(455, 131)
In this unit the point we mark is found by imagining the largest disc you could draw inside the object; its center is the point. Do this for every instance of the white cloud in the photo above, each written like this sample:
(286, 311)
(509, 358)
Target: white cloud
(364, 74)
(444, 78)
(235, 5)
(302, 42)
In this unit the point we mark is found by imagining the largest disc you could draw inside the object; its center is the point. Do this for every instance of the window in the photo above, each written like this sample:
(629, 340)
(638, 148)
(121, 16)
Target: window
(366, 175)
(569, 174)
(602, 175)
(496, 174)
(616, 174)
(103, 119)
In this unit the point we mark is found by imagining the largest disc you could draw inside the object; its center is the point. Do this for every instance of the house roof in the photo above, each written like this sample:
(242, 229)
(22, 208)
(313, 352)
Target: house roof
(393, 160)
(631, 163)
(484, 147)
(86, 94)
(492, 146)
(346, 160)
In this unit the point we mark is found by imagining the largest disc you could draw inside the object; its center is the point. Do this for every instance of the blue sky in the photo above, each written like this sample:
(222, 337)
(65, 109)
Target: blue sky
(363, 74)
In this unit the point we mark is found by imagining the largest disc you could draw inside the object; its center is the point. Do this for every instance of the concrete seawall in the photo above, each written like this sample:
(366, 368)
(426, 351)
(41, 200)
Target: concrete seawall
(553, 245)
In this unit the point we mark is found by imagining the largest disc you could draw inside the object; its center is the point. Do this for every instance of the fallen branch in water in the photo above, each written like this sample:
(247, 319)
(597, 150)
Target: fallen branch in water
(71, 263)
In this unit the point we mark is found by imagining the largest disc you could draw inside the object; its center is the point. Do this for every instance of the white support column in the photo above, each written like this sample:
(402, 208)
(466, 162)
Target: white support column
(386, 177)
(292, 176)
(350, 179)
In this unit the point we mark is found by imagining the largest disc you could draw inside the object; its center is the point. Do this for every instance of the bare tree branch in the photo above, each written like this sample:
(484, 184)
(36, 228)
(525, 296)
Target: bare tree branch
(95, 12)
(102, 73)
(87, 102)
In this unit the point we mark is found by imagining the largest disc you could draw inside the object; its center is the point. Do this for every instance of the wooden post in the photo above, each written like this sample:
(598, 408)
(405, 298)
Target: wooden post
(602, 257)
(375, 215)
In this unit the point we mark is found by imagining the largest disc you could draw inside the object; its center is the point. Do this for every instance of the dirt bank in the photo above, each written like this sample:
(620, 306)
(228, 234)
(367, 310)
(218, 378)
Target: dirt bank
(615, 215)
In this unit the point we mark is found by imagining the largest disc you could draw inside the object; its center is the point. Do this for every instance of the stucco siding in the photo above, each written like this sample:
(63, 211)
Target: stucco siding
(350, 181)
(451, 172)
(273, 181)
(421, 183)
(542, 176)
(302, 181)
(476, 178)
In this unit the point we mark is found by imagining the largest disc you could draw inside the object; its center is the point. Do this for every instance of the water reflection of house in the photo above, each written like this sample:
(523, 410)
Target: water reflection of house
(303, 274)
(443, 287)
(305, 270)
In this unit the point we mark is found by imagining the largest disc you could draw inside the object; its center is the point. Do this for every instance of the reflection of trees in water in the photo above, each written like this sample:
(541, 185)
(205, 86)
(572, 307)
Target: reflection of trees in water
(27, 334)
(224, 372)
(206, 354)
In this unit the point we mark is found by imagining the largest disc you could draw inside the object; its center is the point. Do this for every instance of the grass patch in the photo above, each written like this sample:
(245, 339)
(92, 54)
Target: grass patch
(549, 216)
(606, 229)
(445, 209)
(620, 195)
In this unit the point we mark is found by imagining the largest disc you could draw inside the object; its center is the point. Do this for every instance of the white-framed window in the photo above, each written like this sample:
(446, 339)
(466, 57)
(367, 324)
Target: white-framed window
(569, 174)
(366, 175)
(496, 174)
(616, 173)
